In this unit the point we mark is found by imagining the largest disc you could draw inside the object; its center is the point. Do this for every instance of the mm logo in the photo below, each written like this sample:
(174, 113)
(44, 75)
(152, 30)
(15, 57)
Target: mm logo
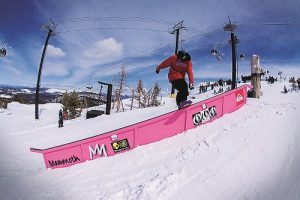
(204, 115)
(120, 145)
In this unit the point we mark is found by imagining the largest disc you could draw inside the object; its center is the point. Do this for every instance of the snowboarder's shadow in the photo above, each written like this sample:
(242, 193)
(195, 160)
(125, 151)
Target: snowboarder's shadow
(175, 116)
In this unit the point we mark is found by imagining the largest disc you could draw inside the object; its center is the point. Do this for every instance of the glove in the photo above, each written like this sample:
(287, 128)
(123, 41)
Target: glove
(157, 70)
(191, 86)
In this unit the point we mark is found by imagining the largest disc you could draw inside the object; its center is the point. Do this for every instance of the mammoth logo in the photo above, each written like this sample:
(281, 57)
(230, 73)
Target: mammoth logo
(204, 115)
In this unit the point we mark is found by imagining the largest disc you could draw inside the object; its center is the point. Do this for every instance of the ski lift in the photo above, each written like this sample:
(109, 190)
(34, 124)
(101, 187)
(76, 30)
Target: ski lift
(242, 57)
(219, 56)
(2, 52)
(216, 53)
(89, 86)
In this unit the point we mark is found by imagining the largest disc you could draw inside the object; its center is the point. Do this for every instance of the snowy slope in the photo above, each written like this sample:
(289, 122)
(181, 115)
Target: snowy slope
(252, 153)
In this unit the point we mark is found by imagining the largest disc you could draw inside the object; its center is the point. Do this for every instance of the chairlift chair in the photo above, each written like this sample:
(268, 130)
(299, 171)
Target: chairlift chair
(2, 52)
(217, 53)
(242, 57)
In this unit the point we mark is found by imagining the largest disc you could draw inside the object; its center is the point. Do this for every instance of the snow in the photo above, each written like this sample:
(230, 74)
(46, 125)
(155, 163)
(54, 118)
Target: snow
(252, 153)
(5, 96)
(26, 91)
(53, 90)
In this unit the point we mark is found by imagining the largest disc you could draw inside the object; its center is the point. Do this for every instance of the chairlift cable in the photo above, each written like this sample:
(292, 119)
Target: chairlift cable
(133, 19)
(113, 28)
(152, 51)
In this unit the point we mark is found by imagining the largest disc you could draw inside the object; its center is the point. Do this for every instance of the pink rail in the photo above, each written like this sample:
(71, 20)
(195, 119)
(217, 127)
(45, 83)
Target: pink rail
(142, 133)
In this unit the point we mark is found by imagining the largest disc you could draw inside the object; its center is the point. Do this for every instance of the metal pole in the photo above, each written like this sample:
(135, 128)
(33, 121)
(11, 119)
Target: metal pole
(177, 41)
(233, 52)
(232, 27)
(176, 51)
(108, 102)
(37, 92)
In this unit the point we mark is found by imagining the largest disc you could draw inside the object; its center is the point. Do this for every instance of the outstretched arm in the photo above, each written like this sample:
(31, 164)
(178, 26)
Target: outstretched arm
(190, 72)
(167, 63)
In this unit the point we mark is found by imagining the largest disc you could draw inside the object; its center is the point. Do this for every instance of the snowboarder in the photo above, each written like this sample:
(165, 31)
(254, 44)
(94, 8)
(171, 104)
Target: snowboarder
(179, 64)
(60, 119)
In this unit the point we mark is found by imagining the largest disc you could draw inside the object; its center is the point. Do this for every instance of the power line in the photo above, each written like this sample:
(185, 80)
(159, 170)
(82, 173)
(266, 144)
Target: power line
(145, 53)
(135, 19)
(129, 58)
(269, 22)
(151, 51)
(161, 46)
(112, 28)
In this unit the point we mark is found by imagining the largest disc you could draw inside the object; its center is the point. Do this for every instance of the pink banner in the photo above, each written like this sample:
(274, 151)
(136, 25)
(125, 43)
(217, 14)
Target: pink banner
(156, 129)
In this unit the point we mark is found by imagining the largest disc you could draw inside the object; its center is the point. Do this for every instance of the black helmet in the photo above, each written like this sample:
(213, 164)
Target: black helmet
(181, 55)
(184, 56)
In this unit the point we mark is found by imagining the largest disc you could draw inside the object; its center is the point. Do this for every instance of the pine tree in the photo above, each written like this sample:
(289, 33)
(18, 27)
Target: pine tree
(71, 102)
(3, 103)
(155, 94)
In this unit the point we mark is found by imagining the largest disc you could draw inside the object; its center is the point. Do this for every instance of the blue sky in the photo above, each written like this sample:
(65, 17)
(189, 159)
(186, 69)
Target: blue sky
(96, 37)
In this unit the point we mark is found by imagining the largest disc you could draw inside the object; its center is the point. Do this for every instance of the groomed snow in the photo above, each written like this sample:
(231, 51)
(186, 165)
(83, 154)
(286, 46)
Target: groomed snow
(252, 153)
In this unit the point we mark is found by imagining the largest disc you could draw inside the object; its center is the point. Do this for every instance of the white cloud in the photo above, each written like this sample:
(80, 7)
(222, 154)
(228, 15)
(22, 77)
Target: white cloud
(53, 51)
(105, 48)
(55, 68)
(102, 51)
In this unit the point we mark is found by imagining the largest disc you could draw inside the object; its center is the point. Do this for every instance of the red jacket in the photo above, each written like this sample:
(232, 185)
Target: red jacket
(178, 68)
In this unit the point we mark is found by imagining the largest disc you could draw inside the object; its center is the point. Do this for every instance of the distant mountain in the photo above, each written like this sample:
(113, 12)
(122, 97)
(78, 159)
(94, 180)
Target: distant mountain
(26, 95)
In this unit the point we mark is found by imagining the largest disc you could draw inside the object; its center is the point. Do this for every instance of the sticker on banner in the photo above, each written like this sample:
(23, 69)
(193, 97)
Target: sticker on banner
(120, 145)
(239, 95)
(204, 115)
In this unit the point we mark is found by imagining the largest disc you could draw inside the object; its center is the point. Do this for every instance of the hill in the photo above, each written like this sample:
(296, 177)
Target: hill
(252, 153)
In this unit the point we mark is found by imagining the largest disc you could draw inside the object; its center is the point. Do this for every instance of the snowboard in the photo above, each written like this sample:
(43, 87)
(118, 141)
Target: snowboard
(185, 104)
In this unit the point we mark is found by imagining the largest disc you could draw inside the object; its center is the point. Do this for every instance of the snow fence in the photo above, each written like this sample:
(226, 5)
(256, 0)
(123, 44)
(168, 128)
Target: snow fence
(145, 132)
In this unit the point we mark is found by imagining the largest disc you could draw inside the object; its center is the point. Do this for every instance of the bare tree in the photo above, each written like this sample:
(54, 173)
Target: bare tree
(140, 91)
(120, 81)
(146, 98)
(132, 98)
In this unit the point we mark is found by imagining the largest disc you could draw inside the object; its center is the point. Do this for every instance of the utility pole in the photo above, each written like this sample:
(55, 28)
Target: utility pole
(233, 41)
(176, 29)
(51, 32)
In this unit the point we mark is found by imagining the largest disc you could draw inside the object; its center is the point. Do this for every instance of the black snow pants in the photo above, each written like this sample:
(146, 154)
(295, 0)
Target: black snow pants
(181, 86)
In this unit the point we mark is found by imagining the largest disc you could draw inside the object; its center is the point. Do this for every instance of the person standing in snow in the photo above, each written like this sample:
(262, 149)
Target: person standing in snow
(179, 64)
(60, 119)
